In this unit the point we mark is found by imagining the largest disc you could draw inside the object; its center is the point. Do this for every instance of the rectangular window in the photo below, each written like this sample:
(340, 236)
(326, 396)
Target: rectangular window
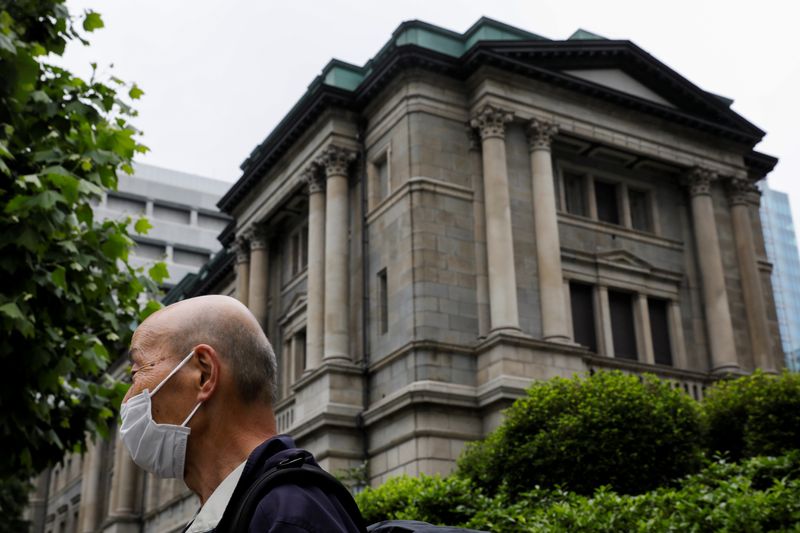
(383, 302)
(171, 214)
(211, 222)
(575, 194)
(607, 206)
(299, 354)
(189, 257)
(659, 328)
(640, 210)
(382, 170)
(128, 206)
(295, 254)
(622, 326)
(582, 301)
(146, 250)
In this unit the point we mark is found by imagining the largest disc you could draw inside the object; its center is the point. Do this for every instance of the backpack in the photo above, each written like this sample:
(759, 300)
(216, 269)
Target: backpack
(294, 469)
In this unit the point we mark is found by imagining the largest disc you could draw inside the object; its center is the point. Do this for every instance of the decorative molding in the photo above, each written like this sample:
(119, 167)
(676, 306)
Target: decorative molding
(740, 191)
(311, 176)
(540, 134)
(699, 180)
(241, 248)
(491, 122)
(257, 235)
(336, 160)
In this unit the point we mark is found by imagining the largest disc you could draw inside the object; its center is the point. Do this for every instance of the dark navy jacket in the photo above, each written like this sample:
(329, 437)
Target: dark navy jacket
(289, 507)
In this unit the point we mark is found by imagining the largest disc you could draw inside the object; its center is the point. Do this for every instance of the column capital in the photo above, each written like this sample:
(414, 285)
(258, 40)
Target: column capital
(336, 160)
(699, 180)
(540, 134)
(242, 250)
(313, 179)
(740, 190)
(491, 121)
(258, 238)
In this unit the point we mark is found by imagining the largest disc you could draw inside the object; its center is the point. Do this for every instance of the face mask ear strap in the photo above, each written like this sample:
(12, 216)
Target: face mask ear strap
(196, 407)
(174, 370)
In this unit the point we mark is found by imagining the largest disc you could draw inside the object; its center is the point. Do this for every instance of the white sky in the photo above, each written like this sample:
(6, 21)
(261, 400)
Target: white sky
(219, 75)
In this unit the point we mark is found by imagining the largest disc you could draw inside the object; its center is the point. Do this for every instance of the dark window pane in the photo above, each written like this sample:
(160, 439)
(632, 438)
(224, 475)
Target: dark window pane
(575, 194)
(622, 328)
(640, 210)
(383, 301)
(582, 302)
(659, 327)
(606, 196)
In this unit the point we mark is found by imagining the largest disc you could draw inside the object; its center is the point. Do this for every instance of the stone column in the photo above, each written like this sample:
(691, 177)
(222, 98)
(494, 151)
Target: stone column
(335, 161)
(90, 489)
(644, 335)
(715, 296)
(125, 485)
(258, 290)
(242, 251)
(548, 249)
(738, 192)
(605, 341)
(491, 123)
(315, 288)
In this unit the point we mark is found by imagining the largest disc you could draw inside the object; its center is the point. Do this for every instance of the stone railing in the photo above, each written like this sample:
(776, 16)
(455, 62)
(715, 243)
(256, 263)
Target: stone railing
(284, 415)
(691, 382)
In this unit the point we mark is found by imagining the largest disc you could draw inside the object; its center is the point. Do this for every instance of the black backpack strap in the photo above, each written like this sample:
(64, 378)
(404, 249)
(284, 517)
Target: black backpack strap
(293, 469)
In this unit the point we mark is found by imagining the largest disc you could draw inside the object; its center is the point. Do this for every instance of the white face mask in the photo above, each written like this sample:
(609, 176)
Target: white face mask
(157, 448)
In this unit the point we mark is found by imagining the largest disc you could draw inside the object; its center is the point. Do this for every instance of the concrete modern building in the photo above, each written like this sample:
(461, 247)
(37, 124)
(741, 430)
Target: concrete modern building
(423, 236)
(182, 209)
(781, 245)
(186, 222)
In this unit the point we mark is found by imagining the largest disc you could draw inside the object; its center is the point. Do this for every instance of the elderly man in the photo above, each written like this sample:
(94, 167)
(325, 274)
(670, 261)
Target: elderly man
(200, 409)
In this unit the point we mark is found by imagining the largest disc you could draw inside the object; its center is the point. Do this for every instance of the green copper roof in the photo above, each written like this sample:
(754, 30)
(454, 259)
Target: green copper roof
(414, 32)
(583, 35)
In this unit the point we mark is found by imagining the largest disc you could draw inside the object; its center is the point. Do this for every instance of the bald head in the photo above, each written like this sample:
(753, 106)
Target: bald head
(229, 327)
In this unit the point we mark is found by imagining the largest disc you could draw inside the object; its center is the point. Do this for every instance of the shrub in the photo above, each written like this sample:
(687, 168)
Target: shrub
(762, 494)
(754, 415)
(433, 499)
(629, 433)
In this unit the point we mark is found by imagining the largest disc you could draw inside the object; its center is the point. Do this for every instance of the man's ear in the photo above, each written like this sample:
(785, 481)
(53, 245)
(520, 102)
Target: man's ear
(209, 365)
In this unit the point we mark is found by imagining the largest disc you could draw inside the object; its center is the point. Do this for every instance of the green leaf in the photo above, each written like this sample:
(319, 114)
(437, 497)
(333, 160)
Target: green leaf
(93, 21)
(150, 307)
(4, 151)
(158, 272)
(59, 277)
(135, 93)
(7, 44)
(116, 246)
(11, 310)
(142, 226)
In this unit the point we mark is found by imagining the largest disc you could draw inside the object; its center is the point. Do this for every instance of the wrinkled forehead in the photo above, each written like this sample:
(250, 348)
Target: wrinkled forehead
(149, 342)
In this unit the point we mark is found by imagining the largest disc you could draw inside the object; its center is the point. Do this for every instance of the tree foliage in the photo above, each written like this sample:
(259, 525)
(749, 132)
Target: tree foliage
(626, 432)
(68, 296)
(754, 415)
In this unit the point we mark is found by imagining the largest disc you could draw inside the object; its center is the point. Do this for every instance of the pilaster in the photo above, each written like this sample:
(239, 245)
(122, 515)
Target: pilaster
(258, 289)
(315, 302)
(242, 250)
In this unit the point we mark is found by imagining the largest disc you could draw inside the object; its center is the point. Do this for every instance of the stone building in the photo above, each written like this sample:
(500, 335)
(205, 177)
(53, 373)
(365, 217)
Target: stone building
(423, 236)
(182, 209)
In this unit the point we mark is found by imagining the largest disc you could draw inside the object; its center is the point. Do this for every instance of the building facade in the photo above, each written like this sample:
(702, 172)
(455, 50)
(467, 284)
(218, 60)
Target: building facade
(186, 222)
(781, 245)
(424, 236)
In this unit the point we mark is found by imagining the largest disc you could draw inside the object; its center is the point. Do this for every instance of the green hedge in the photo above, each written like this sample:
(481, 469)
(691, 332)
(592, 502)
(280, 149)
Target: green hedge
(754, 415)
(629, 433)
(760, 494)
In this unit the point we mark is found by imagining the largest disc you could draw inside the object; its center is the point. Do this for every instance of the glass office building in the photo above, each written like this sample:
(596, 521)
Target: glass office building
(781, 244)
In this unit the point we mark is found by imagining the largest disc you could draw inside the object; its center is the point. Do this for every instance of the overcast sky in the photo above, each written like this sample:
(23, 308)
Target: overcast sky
(219, 75)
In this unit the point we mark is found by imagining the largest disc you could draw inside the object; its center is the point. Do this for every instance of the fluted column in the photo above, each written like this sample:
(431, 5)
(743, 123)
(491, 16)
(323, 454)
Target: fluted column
(315, 301)
(491, 123)
(336, 161)
(258, 290)
(242, 251)
(738, 192)
(90, 489)
(715, 296)
(548, 248)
